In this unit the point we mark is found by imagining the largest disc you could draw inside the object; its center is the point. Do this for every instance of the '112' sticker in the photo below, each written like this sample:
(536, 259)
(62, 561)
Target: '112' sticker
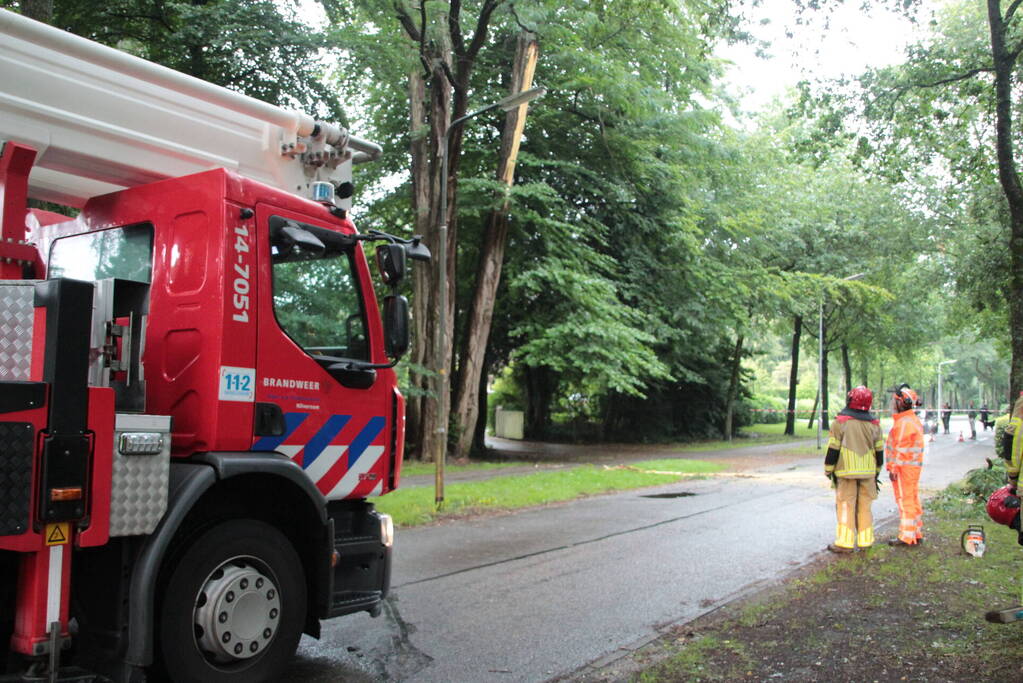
(237, 384)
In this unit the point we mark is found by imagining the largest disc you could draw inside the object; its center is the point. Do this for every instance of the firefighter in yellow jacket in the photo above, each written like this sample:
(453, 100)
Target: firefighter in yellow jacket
(1014, 432)
(853, 462)
(904, 458)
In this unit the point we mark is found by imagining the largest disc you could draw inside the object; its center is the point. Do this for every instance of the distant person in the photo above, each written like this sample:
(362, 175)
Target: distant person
(904, 458)
(984, 415)
(853, 462)
(946, 415)
(971, 415)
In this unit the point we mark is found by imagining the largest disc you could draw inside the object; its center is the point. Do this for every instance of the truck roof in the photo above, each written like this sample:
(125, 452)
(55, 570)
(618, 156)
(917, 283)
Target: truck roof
(102, 120)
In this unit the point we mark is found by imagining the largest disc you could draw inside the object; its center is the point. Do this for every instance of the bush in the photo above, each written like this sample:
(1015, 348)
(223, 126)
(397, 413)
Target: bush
(972, 492)
(767, 409)
(981, 483)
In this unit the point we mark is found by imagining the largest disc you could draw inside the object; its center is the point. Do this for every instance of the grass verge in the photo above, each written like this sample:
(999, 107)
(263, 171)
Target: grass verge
(415, 505)
(884, 614)
(412, 468)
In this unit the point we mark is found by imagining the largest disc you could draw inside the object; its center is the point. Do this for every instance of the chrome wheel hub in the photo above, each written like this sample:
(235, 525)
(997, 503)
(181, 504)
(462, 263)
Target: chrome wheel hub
(237, 611)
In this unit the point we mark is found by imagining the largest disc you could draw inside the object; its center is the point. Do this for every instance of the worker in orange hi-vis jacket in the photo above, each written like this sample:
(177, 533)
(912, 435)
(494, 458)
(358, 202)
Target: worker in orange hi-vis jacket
(904, 458)
(853, 463)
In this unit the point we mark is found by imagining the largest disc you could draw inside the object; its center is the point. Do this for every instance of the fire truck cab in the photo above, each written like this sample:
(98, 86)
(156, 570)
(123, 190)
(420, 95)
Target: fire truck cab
(197, 397)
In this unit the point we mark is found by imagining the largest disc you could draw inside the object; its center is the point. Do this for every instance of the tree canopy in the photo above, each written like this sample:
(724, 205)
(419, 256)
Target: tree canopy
(659, 257)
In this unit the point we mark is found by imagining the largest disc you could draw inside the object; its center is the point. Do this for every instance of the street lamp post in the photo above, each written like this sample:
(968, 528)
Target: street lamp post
(820, 360)
(941, 405)
(440, 357)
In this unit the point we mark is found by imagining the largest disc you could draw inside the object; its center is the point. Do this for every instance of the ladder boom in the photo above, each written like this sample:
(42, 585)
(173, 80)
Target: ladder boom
(102, 119)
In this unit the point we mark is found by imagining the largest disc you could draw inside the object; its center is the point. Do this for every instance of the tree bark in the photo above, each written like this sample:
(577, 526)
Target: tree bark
(1004, 62)
(479, 436)
(825, 417)
(539, 391)
(432, 434)
(790, 415)
(40, 10)
(495, 238)
(422, 327)
(813, 413)
(449, 60)
(847, 367)
(733, 387)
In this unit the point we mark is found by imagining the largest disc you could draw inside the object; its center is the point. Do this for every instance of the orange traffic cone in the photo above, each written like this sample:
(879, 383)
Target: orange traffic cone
(960, 435)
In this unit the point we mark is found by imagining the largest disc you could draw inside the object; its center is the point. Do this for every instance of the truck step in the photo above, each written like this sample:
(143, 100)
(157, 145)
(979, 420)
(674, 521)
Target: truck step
(348, 602)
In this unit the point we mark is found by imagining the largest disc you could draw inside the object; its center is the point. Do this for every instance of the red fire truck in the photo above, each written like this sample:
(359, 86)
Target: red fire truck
(196, 386)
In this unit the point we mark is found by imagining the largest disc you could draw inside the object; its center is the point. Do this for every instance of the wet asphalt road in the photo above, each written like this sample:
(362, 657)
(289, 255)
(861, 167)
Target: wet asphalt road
(548, 592)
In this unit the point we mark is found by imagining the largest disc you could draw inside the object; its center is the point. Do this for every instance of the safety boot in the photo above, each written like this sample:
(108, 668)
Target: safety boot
(1005, 616)
(839, 549)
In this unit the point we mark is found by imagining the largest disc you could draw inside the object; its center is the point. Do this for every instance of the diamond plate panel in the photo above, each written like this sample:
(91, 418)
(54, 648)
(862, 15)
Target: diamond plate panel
(139, 488)
(16, 445)
(16, 310)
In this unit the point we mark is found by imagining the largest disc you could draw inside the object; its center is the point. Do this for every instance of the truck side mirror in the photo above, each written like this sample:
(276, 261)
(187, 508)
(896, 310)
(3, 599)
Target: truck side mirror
(396, 325)
(417, 251)
(391, 263)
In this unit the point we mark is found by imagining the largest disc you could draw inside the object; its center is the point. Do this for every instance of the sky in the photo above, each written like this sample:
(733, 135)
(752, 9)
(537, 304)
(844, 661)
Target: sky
(854, 41)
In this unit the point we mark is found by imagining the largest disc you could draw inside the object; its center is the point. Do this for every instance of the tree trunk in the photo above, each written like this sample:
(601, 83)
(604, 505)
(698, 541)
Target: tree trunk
(825, 417)
(435, 33)
(40, 10)
(491, 257)
(1008, 176)
(790, 415)
(733, 387)
(432, 435)
(479, 434)
(539, 391)
(813, 413)
(847, 367)
(422, 301)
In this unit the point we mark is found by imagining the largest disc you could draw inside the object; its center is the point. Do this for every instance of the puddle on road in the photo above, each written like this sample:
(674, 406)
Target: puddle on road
(680, 494)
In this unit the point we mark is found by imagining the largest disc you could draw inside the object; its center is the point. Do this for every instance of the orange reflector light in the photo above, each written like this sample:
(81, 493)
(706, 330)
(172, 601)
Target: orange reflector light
(66, 494)
(335, 557)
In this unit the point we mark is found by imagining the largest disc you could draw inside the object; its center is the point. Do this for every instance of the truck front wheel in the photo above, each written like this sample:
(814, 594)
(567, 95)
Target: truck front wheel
(234, 606)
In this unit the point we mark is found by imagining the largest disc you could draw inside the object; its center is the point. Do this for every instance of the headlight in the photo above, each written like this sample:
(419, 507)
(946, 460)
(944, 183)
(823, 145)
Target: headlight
(386, 530)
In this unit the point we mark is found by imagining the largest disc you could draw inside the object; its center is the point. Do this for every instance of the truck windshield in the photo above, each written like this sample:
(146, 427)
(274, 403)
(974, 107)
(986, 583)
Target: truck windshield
(125, 253)
(315, 292)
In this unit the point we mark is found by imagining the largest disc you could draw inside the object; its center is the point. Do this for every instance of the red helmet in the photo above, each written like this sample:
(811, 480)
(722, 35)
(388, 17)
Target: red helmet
(860, 398)
(1003, 506)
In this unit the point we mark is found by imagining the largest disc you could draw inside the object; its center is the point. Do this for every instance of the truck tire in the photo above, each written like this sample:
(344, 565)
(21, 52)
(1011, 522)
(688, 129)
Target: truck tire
(233, 607)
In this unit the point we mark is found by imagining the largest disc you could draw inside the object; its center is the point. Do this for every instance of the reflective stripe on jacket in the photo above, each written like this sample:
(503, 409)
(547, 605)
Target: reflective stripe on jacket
(905, 444)
(856, 442)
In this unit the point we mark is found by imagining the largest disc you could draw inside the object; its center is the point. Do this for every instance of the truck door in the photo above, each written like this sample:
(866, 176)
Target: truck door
(318, 313)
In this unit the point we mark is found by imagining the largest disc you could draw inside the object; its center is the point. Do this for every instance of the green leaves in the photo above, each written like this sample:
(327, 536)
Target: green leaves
(580, 329)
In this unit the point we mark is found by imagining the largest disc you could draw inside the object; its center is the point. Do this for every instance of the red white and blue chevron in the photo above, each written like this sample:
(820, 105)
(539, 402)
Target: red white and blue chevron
(344, 456)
